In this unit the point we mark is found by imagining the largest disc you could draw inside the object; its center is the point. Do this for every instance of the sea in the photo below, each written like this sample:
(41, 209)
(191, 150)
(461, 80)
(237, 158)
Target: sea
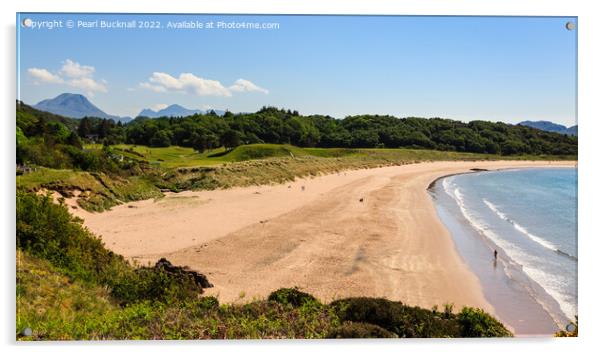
(529, 216)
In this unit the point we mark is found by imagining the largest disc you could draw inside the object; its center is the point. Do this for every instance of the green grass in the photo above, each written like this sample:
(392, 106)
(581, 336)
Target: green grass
(47, 177)
(175, 156)
(258, 152)
(56, 306)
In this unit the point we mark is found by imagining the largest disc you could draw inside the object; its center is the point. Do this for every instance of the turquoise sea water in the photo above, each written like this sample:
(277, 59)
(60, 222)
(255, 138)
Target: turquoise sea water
(530, 217)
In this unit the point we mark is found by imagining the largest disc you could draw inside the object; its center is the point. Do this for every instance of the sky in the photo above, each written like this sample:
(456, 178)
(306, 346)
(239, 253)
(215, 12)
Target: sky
(506, 69)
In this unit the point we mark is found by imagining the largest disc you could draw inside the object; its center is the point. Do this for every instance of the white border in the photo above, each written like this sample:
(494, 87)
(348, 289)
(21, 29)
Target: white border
(589, 158)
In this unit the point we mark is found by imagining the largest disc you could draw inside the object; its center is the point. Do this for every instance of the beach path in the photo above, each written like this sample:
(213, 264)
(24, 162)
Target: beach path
(371, 232)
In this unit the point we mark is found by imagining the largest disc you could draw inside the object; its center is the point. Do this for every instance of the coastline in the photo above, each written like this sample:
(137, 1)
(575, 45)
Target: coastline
(311, 233)
(522, 302)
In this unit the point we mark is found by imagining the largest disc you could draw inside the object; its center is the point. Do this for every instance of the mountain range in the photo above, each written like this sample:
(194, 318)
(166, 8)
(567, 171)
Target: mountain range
(78, 106)
(175, 110)
(550, 127)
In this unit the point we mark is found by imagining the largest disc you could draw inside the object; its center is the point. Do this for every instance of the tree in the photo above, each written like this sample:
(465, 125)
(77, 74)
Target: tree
(162, 138)
(230, 139)
(74, 140)
(85, 127)
(364, 138)
(202, 140)
(513, 147)
(105, 127)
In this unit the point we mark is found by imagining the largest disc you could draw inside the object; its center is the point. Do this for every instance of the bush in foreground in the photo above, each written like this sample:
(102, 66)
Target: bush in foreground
(415, 322)
(359, 330)
(404, 321)
(293, 297)
(478, 323)
(47, 230)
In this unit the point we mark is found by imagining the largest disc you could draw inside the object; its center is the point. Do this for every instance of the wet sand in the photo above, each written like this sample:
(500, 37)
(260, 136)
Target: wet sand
(369, 232)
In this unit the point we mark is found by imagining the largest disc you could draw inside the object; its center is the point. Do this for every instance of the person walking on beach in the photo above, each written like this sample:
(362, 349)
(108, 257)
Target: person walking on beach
(495, 255)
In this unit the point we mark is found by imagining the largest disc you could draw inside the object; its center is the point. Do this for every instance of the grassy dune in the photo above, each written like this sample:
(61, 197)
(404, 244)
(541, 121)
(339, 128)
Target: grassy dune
(178, 168)
(94, 191)
(176, 156)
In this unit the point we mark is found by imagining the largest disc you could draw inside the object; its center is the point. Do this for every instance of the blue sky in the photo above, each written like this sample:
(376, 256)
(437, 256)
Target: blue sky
(492, 68)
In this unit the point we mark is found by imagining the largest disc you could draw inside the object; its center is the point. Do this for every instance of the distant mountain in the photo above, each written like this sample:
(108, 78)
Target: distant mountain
(174, 110)
(75, 106)
(550, 127)
(574, 130)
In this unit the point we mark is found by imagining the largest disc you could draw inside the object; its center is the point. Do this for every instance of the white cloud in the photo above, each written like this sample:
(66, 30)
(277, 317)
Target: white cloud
(242, 85)
(190, 83)
(75, 70)
(155, 88)
(44, 76)
(167, 81)
(72, 74)
(186, 82)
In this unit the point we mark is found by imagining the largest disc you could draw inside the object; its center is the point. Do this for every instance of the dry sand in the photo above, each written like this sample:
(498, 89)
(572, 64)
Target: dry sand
(313, 233)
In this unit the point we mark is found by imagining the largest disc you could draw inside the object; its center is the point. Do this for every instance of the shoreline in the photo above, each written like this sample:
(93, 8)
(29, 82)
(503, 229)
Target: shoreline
(521, 302)
(477, 170)
(312, 233)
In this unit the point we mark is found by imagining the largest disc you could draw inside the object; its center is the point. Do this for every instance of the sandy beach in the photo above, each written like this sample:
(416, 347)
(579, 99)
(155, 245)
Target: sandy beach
(359, 233)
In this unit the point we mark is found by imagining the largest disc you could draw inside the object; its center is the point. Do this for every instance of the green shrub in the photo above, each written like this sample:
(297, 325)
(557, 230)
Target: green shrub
(150, 283)
(359, 330)
(477, 323)
(47, 230)
(405, 321)
(208, 303)
(292, 296)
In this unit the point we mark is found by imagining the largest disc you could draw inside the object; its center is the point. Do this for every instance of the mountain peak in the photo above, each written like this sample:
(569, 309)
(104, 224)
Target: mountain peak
(71, 95)
(71, 105)
(74, 105)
